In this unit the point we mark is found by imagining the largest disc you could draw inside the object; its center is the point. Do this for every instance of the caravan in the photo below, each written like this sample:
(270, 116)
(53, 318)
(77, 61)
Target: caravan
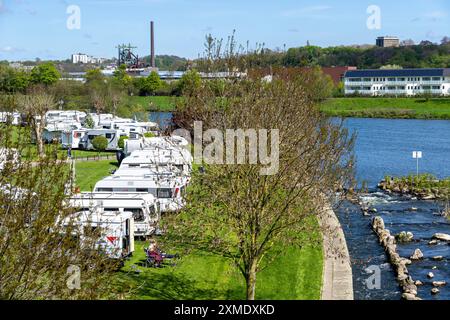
(111, 135)
(167, 188)
(116, 228)
(145, 208)
(72, 138)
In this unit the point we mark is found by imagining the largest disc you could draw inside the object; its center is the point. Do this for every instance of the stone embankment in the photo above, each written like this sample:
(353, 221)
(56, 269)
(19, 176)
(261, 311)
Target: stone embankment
(388, 241)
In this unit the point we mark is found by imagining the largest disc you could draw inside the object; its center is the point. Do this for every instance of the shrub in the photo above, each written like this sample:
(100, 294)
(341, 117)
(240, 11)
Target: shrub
(100, 143)
(121, 142)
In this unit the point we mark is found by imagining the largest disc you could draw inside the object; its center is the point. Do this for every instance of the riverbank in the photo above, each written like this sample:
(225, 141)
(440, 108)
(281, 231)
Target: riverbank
(337, 283)
(391, 108)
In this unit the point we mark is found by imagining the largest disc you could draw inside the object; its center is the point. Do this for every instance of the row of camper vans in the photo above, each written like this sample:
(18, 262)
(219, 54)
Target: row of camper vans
(70, 128)
(150, 181)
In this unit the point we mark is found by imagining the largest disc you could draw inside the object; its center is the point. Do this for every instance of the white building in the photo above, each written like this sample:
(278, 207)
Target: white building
(84, 58)
(400, 82)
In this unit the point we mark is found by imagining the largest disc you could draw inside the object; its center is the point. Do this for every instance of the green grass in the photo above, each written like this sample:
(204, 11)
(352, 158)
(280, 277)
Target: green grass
(404, 108)
(89, 172)
(154, 103)
(200, 276)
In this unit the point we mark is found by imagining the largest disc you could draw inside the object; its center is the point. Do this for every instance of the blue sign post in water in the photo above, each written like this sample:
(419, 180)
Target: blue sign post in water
(417, 155)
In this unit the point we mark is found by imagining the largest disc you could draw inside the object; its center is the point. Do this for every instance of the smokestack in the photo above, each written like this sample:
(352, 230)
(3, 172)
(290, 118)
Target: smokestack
(152, 45)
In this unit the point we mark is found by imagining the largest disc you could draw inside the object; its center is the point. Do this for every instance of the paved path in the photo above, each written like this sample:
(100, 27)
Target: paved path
(337, 273)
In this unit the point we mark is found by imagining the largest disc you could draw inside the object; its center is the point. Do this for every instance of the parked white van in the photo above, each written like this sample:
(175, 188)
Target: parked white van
(167, 188)
(145, 208)
(116, 230)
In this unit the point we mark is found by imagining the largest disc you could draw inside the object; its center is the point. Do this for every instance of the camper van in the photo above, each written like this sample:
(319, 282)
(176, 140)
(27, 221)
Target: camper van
(72, 138)
(145, 208)
(116, 230)
(111, 135)
(170, 157)
(166, 142)
(167, 188)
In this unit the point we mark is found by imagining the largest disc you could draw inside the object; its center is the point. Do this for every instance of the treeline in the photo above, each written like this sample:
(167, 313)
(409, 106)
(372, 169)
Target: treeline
(425, 55)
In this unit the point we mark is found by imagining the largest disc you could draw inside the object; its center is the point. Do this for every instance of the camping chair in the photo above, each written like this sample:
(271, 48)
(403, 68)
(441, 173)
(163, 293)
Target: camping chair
(153, 259)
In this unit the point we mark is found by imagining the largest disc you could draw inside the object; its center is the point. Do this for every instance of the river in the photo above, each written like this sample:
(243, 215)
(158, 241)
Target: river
(384, 147)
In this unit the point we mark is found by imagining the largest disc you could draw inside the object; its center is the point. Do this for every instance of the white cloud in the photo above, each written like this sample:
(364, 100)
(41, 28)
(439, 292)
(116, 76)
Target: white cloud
(9, 49)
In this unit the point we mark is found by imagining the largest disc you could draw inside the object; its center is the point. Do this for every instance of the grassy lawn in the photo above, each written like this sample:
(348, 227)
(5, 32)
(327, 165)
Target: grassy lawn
(405, 108)
(200, 276)
(89, 172)
(154, 103)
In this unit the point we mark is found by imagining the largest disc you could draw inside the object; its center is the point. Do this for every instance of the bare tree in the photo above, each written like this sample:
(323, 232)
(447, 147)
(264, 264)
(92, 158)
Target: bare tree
(35, 105)
(237, 212)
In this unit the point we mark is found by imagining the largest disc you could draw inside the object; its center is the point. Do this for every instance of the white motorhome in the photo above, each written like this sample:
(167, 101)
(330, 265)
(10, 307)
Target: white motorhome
(169, 157)
(15, 118)
(145, 207)
(72, 138)
(116, 228)
(165, 142)
(111, 135)
(65, 116)
(54, 130)
(167, 188)
(8, 156)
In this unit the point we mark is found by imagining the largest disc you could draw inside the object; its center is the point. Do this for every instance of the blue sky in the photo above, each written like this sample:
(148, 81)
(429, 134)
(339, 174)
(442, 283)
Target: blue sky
(30, 28)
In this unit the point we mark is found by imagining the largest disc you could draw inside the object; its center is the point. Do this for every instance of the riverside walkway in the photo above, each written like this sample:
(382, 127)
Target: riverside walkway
(337, 280)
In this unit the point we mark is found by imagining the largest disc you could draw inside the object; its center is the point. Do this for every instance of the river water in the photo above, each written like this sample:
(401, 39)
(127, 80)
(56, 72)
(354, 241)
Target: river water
(384, 147)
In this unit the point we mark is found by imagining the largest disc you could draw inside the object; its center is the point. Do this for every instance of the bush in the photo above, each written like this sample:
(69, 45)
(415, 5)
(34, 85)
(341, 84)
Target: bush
(149, 135)
(100, 143)
(121, 142)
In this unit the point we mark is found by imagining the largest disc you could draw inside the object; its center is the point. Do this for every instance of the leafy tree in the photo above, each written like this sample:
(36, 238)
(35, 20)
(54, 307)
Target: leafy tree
(89, 122)
(45, 73)
(40, 241)
(153, 82)
(100, 143)
(94, 75)
(121, 142)
(189, 82)
(236, 211)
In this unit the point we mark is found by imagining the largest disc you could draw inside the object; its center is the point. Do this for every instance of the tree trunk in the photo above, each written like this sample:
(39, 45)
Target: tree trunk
(39, 142)
(251, 280)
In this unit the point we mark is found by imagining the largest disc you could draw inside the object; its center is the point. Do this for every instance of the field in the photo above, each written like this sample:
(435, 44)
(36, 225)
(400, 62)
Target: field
(89, 172)
(402, 108)
(200, 275)
(154, 103)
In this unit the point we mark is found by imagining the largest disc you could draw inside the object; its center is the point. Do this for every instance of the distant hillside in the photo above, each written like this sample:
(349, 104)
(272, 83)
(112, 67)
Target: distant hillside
(168, 62)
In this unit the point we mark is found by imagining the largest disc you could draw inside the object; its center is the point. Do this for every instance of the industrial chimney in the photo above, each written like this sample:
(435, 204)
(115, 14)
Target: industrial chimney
(152, 45)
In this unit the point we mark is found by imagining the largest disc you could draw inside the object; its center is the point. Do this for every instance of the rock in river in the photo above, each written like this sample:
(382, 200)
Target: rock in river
(435, 291)
(430, 275)
(439, 283)
(442, 236)
(417, 255)
(438, 258)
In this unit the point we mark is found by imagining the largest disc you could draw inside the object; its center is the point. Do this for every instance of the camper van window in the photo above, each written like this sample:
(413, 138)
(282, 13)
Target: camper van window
(138, 214)
(133, 165)
(164, 193)
(108, 135)
(141, 190)
(104, 190)
(111, 209)
(91, 137)
(179, 167)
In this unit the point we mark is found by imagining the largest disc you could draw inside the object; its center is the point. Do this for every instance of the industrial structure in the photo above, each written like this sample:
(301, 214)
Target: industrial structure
(401, 82)
(128, 57)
